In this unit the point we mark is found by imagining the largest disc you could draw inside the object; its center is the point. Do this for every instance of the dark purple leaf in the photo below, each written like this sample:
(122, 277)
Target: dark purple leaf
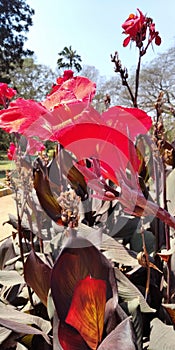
(37, 275)
(78, 260)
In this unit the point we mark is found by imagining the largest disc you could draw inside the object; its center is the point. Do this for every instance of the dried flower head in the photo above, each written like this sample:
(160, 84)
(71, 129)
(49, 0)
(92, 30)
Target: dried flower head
(69, 202)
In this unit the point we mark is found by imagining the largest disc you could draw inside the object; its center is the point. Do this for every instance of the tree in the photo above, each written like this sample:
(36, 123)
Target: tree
(32, 81)
(111, 86)
(158, 75)
(68, 58)
(15, 20)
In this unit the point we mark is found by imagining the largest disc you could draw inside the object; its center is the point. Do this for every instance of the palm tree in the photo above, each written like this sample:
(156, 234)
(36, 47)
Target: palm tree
(68, 58)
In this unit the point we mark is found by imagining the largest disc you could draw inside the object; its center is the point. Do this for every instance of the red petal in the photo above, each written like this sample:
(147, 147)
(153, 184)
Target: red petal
(78, 88)
(130, 121)
(83, 88)
(99, 141)
(21, 115)
(86, 313)
(126, 41)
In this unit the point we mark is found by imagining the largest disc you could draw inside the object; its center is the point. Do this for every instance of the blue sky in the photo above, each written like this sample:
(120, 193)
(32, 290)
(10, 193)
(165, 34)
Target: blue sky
(93, 28)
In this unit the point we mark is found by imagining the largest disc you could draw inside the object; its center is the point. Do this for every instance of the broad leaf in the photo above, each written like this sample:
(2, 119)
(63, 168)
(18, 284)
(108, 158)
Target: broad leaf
(22, 328)
(162, 336)
(37, 275)
(132, 308)
(70, 339)
(86, 312)
(117, 252)
(46, 197)
(77, 260)
(19, 322)
(4, 333)
(120, 338)
(128, 291)
(6, 252)
(10, 278)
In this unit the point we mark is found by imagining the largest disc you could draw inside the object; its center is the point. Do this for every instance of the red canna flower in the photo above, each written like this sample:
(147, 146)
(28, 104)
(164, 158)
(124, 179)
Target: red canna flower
(133, 26)
(136, 27)
(11, 151)
(6, 94)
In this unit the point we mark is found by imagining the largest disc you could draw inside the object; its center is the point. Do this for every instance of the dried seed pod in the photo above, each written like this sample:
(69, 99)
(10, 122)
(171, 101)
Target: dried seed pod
(141, 257)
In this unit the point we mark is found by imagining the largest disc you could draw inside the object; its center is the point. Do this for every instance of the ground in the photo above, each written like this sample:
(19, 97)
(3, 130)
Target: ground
(7, 205)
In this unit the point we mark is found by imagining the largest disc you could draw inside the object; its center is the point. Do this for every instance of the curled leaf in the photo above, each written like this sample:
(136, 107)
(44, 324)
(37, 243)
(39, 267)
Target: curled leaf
(46, 197)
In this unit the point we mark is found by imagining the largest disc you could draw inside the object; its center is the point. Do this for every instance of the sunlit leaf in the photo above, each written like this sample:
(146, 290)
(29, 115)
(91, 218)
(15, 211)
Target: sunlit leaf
(86, 312)
(21, 317)
(37, 275)
(6, 252)
(10, 278)
(132, 309)
(22, 328)
(4, 333)
(77, 260)
(162, 336)
(20, 347)
(170, 192)
(19, 322)
(120, 338)
(128, 291)
(116, 251)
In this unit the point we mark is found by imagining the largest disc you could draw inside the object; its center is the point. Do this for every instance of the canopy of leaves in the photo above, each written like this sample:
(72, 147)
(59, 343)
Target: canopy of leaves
(32, 80)
(69, 59)
(15, 20)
